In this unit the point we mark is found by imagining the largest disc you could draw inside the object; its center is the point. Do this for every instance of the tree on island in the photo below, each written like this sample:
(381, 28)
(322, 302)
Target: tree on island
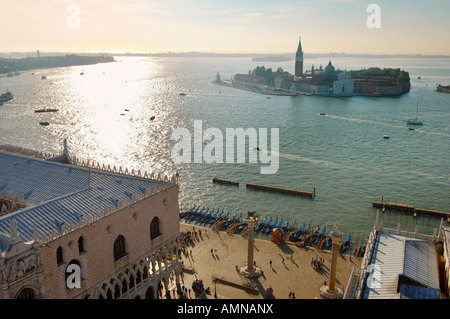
(268, 74)
(396, 75)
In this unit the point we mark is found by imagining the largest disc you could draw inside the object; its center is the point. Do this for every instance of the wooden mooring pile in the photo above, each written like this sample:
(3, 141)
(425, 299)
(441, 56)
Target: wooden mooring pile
(281, 190)
(410, 209)
(275, 189)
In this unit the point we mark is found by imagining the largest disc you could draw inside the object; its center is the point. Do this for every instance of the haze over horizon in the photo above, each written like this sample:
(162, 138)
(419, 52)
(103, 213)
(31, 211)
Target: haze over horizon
(251, 26)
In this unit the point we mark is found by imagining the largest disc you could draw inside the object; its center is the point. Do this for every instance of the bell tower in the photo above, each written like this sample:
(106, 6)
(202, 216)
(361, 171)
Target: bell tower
(299, 60)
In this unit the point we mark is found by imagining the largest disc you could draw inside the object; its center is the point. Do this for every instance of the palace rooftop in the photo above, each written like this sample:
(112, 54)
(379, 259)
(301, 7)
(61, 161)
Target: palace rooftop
(47, 197)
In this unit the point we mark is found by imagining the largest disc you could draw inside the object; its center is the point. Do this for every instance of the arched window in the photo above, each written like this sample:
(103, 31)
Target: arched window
(59, 256)
(116, 291)
(131, 281)
(73, 273)
(81, 245)
(26, 293)
(138, 277)
(124, 286)
(119, 247)
(154, 228)
(145, 273)
(149, 294)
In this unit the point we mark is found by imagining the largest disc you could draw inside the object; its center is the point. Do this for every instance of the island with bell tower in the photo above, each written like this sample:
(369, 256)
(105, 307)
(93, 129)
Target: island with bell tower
(327, 81)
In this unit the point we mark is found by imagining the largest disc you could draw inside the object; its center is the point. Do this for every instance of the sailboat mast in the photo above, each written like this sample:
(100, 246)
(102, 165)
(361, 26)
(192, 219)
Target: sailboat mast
(417, 109)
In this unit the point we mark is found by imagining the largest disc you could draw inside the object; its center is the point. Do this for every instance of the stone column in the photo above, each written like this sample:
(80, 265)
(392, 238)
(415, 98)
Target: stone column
(251, 229)
(250, 271)
(330, 291)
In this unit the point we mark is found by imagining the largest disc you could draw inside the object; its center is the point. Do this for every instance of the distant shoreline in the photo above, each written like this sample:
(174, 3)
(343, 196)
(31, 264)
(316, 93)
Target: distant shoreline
(236, 54)
(12, 65)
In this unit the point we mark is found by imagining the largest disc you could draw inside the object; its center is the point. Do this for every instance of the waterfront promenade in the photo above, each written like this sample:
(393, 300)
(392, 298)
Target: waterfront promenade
(290, 269)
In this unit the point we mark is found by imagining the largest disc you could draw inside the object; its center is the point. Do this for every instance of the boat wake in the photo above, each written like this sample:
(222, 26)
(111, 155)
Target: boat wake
(358, 120)
(394, 125)
(300, 158)
(432, 175)
(432, 133)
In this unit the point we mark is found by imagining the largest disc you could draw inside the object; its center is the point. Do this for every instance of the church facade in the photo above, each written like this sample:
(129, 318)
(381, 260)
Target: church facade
(328, 81)
(71, 229)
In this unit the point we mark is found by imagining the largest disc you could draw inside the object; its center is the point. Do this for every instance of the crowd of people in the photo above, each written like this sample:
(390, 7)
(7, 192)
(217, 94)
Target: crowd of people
(186, 238)
(317, 263)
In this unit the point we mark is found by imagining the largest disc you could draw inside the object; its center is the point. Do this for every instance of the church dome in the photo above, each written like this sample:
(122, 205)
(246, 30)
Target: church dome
(329, 68)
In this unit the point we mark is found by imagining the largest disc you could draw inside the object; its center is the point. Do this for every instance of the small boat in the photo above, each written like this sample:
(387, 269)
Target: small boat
(186, 213)
(225, 217)
(43, 77)
(44, 123)
(202, 215)
(272, 225)
(266, 225)
(260, 225)
(300, 231)
(196, 214)
(321, 113)
(444, 89)
(5, 97)
(218, 217)
(279, 224)
(182, 93)
(386, 136)
(45, 110)
(346, 243)
(321, 235)
(329, 242)
(415, 121)
(152, 118)
(206, 217)
(305, 232)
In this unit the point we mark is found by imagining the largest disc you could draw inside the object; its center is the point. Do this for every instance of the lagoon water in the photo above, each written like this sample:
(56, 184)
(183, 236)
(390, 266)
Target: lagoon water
(106, 116)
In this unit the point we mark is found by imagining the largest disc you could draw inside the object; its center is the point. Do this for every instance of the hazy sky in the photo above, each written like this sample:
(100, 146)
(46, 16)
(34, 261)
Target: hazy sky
(248, 26)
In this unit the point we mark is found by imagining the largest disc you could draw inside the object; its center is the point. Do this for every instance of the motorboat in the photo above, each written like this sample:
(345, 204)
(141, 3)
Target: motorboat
(5, 97)
(45, 110)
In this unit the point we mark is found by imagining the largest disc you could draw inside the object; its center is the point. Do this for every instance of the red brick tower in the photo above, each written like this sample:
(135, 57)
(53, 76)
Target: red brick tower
(299, 60)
